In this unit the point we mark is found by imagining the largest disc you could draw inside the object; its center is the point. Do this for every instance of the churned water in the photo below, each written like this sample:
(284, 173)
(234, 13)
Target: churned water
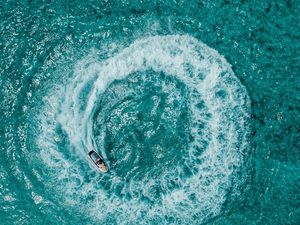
(193, 105)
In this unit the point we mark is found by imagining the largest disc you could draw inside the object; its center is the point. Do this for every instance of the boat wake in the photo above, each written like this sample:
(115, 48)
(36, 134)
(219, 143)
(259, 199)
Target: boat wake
(169, 117)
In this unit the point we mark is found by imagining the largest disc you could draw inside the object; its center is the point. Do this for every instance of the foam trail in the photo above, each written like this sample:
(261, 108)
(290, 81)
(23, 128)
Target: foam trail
(218, 106)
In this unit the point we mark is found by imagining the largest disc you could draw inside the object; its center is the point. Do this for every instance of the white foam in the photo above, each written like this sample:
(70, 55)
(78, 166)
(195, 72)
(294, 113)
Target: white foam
(220, 160)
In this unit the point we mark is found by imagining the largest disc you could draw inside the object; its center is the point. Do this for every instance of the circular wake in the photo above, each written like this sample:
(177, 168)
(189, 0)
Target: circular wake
(168, 116)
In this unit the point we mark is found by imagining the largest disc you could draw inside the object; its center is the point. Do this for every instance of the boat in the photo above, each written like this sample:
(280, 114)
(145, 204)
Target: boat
(98, 161)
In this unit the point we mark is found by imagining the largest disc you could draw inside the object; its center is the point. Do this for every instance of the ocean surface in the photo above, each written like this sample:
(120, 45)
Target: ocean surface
(193, 105)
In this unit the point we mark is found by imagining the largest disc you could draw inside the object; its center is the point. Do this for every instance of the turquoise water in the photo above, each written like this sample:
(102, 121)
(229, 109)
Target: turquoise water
(194, 106)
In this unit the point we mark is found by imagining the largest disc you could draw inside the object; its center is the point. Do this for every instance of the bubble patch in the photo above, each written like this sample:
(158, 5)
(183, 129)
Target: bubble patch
(192, 105)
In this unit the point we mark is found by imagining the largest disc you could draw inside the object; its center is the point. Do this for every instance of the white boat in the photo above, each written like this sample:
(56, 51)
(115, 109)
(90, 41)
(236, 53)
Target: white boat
(98, 161)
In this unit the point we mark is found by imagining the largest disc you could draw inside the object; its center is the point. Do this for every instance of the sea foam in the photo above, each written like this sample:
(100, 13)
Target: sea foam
(218, 105)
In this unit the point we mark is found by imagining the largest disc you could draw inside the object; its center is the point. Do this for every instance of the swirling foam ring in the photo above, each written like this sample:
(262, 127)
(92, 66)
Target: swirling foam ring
(218, 105)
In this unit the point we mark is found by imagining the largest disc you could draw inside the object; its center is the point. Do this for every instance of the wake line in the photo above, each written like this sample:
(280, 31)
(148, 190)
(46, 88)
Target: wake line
(218, 104)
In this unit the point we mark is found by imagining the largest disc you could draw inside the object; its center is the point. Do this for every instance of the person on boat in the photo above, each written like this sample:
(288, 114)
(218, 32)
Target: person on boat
(98, 161)
(101, 165)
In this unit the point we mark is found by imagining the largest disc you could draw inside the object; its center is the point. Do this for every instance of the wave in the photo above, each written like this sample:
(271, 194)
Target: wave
(169, 117)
